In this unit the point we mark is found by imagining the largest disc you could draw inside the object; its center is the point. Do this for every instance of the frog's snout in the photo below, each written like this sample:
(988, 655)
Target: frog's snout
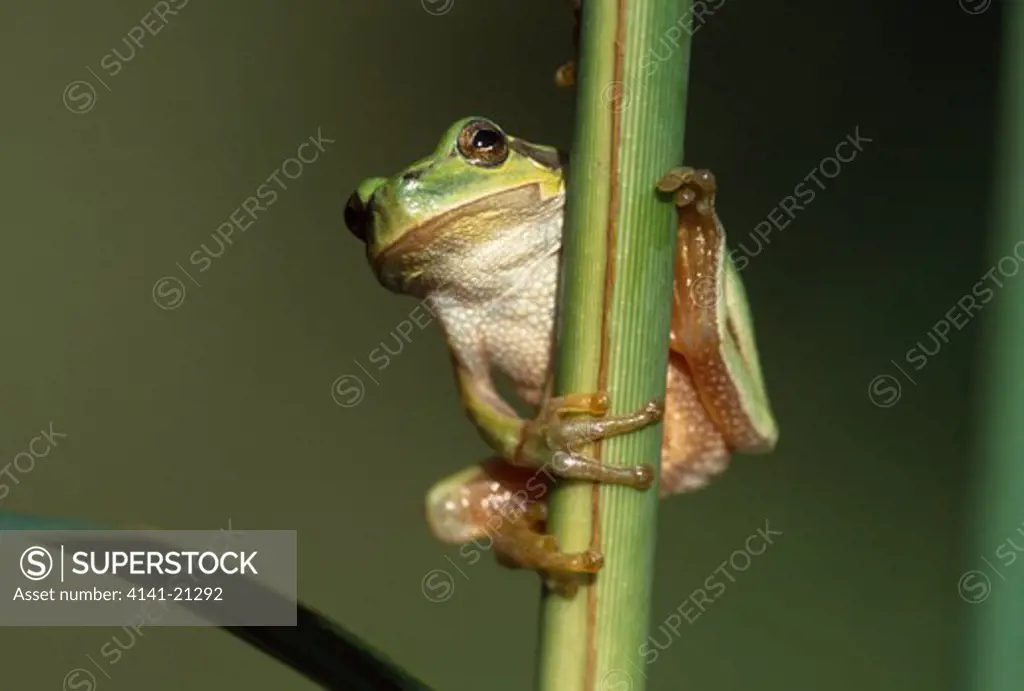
(357, 216)
(359, 209)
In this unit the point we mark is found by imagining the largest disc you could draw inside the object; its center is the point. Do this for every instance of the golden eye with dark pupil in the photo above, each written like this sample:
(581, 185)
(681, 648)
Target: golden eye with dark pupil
(483, 145)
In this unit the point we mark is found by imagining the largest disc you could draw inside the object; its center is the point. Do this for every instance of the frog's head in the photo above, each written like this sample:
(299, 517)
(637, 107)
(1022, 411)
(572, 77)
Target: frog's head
(477, 182)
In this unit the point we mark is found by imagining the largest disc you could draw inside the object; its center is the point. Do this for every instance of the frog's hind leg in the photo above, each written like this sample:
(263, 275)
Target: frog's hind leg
(712, 328)
(693, 449)
(507, 504)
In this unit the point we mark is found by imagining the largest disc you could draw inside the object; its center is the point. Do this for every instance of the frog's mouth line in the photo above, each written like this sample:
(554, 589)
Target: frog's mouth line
(395, 264)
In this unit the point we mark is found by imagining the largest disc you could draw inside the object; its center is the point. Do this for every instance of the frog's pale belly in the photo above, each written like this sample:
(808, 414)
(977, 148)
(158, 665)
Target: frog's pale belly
(511, 332)
(519, 329)
(496, 303)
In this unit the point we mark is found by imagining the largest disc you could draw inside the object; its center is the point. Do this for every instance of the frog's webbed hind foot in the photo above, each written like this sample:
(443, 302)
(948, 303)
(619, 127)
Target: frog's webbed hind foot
(505, 507)
(526, 548)
(692, 189)
(523, 545)
(567, 423)
(565, 76)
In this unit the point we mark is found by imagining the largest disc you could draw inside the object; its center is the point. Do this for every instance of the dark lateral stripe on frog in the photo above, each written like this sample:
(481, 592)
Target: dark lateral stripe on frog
(548, 158)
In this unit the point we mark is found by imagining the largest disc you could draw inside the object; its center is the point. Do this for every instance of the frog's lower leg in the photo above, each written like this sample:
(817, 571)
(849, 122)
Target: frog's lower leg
(506, 506)
(697, 300)
(553, 430)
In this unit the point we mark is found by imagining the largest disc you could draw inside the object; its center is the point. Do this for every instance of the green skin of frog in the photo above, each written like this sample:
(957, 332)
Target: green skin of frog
(475, 230)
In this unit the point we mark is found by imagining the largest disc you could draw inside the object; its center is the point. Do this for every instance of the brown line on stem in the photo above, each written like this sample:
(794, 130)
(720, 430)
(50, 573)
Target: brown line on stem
(609, 282)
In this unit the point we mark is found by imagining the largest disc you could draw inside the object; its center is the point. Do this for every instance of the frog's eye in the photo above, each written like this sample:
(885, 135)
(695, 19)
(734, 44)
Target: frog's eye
(483, 144)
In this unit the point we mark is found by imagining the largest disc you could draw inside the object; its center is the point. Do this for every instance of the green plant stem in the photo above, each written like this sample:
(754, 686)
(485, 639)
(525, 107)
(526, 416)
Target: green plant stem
(997, 633)
(614, 307)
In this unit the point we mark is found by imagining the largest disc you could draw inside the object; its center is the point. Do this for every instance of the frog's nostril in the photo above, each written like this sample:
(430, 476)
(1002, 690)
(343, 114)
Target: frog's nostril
(356, 216)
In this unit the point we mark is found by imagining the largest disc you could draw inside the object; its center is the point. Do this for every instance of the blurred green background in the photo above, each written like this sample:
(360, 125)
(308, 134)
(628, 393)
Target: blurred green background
(220, 410)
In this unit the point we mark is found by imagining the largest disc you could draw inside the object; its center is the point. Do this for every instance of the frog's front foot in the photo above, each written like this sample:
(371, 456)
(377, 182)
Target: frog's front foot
(567, 423)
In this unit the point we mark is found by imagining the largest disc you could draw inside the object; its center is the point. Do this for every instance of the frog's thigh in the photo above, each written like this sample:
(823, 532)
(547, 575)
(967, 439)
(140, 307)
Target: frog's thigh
(693, 449)
(483, 499)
